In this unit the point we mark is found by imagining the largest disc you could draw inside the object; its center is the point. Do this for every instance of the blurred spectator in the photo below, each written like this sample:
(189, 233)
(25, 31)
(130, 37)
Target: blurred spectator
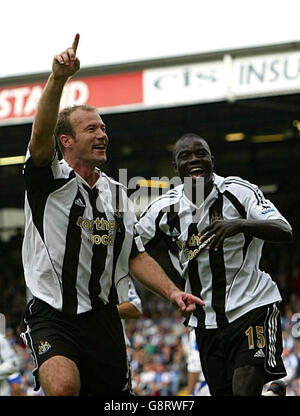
(291, 364)
(196, 384)
(10, 376)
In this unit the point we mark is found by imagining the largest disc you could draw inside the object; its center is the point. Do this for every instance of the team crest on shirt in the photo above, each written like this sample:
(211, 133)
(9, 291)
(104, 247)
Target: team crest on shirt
(174, 233)
(44, 347)
(215, 217)
(118, 214)
(118, 217)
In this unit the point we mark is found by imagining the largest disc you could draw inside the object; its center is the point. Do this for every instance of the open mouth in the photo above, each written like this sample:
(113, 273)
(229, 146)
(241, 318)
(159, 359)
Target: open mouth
(99, 147)
(196, 172)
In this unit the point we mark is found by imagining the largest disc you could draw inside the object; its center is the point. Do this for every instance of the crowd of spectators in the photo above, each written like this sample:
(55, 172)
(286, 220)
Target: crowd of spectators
(157, 353)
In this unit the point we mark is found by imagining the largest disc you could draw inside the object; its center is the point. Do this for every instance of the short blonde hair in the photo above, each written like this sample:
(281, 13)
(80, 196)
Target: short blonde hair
(64, 125)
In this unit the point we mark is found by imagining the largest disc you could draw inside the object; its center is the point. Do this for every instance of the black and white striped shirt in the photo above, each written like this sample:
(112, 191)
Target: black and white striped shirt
(77, 240)
(228, 280)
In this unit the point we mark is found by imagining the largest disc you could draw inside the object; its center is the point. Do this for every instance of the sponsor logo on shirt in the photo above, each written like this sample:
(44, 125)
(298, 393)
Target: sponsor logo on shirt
(99, 224)
(193, 246)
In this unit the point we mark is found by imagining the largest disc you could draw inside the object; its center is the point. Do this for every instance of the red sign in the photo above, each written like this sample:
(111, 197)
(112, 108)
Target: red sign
(115, 90)
(20, 102)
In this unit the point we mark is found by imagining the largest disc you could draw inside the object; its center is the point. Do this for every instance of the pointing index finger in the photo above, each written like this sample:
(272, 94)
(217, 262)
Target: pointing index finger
(75, 42)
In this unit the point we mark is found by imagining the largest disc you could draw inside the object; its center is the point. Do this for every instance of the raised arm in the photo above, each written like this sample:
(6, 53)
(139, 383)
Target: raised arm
(42, 141)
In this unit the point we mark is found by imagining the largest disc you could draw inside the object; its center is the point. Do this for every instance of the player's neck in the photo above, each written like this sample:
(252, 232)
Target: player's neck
(90, 177)
(197, 194)
(87, 172)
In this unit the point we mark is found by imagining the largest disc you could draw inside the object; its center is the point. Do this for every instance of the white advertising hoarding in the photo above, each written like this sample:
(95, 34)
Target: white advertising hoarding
(266, 74)
(227, 79)
(185, 84)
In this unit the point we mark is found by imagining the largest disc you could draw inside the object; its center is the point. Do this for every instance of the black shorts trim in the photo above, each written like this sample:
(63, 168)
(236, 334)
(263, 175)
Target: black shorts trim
(273, 362)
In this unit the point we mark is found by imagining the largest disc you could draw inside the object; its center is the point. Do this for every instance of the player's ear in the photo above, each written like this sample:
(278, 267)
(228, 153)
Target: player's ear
(65, 140)
(213, 161)
(174, 164)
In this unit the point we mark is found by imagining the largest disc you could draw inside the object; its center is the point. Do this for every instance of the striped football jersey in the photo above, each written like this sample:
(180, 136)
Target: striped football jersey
(228, 280)
(77, 240)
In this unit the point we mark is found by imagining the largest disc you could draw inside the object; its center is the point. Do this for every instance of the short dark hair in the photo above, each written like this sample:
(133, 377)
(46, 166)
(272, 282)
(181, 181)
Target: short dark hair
(181, 139)
(64, 125)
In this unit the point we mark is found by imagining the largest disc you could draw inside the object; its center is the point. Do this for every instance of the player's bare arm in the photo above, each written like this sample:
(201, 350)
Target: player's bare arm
(42, 142)
(128, 311)
(148, 272)
(268, 230)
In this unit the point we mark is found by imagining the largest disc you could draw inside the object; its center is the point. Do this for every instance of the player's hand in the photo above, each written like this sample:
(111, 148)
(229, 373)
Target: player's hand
(216, 232)
(185, 302)
(66, 63)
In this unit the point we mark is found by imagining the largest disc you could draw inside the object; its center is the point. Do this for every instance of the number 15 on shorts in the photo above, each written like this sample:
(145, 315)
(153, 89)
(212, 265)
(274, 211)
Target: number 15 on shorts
(255, 337)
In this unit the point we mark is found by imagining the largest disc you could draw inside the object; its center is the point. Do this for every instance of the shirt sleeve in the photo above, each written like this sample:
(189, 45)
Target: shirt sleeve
(127, 293)
(37, 177)
(257, 206)
(148, 228)
(137, 246)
